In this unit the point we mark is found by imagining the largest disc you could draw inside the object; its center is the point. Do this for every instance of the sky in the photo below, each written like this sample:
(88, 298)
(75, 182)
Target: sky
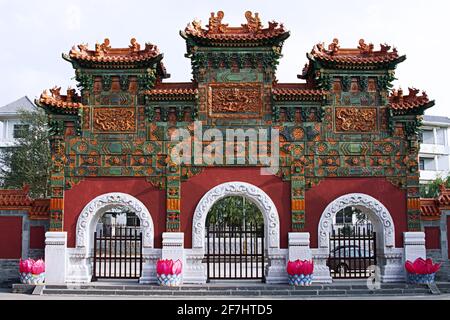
(34, 34)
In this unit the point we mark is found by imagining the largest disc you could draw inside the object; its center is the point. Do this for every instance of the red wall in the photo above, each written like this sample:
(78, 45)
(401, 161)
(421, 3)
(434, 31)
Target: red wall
(193, 190)
(432, 237)
(37, 237)
(10, 237)
(196, 187)
(318, 198)
(80, 195)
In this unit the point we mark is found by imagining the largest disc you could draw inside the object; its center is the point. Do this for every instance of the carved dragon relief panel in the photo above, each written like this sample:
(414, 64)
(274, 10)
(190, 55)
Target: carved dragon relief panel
(235, 100)
(120, 120)
(356, 120)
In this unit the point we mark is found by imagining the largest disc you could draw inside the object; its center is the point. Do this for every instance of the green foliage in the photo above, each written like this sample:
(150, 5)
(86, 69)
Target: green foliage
(431, 189)
(235, 211)
(28, 161)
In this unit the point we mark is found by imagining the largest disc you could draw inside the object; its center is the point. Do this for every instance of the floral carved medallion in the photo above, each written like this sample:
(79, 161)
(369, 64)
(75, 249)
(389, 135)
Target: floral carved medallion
(114, 120)
(235, 100)
(351, 119)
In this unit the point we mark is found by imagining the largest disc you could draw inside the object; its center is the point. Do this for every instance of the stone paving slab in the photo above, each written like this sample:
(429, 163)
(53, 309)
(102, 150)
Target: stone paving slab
(339, 289)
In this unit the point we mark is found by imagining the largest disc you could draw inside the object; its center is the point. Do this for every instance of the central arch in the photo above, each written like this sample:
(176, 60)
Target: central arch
(250, 192)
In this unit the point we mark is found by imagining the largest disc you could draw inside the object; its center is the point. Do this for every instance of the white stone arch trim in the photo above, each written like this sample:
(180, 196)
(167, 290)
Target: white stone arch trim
(101, 204)
(375, 207)
(236, 188)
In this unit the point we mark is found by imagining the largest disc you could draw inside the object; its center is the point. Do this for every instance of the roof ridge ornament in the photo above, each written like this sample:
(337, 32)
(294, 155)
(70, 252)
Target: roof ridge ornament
(216, 27)
(215, 23)
(254, 24)
(365, 48)
(102, 49)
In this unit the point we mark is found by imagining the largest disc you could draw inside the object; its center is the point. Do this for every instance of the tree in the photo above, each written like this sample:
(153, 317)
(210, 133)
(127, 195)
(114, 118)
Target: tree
(29, 160)
(431, 189)
(235, 211)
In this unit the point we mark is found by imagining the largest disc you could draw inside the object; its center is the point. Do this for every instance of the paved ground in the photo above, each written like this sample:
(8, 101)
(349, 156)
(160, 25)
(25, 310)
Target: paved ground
(5, 294)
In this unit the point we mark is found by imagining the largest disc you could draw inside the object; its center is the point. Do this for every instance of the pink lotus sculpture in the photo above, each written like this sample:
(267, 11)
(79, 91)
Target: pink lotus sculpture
(300, 272)
(169, 272)
(421, 271)
(32, 272)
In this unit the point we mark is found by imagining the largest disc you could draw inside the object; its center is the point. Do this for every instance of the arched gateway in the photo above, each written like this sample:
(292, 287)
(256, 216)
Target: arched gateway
(341, 127)
(259, 198)
(94, 210)
(355, 248)
(88, 246)
(251, 192)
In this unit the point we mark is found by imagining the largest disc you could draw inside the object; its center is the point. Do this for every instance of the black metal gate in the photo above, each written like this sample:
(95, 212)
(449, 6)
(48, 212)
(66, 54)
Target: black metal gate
(352, 251)
(235, 252)
(117, 253)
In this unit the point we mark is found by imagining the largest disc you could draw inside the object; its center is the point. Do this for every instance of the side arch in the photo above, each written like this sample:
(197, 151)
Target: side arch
(375, 210)
(94, 210)
(236, 188)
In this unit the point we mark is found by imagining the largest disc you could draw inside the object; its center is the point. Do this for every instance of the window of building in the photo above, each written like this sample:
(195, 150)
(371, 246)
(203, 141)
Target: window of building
(427, 164)
(421, 164)
(20, 130)
(440, 136)
(427, 136)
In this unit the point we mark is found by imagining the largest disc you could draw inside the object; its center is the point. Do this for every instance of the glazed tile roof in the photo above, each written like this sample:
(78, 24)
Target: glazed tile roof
(362, 57)
(40, 209)
(173, 90)
(296, 91)
(104, 54)
(15, 198)
(69, 103)
(218, 33)
(429, 208)
(19, 199)
(404, 103)
(444, 197)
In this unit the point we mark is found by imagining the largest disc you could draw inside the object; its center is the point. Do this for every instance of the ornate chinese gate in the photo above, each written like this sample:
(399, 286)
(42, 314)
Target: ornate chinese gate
(352, 251)
(235, 252)
(117, 253)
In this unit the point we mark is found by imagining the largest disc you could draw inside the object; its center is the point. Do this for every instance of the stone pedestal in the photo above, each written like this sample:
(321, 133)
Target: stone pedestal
(275, 272)
(55, 257)
(321, 271)
(299, 246)
(173, 246)
(414, 246)
(150, 257)
(194, 271)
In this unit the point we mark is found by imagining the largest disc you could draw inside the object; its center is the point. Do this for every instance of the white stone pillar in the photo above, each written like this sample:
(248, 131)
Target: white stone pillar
(173, 246)
(299, 246)
(55, 257)
(414, 245)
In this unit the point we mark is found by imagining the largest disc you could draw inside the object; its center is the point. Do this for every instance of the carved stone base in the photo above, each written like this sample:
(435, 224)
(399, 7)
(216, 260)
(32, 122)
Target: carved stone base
(194, 271)
(392, 266)
(79, 269)
(321, 271)
(276, 269)
(150, 258)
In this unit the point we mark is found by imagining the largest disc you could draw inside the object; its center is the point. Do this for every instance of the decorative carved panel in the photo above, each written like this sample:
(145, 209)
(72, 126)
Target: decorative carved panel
(351, 119)
(119, 120)
(235, 100)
